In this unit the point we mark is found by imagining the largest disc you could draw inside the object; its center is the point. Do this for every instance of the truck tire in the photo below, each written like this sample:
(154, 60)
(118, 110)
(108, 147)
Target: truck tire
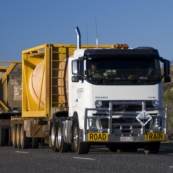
(77, 146)
(2, 136)
(112, 147)
(24, 141)
(60, 144)
(14, 129)
(152, 148)
(35, 142)
(18, 136)
(9, 137)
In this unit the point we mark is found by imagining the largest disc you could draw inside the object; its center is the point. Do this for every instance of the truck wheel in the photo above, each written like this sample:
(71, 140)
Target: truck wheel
(60, 144)
(18, 136)
(24, 141)
(2, 136)
(35, 142)
(9, 137)
(14, 129)
(112, 147)
(53, 137)
(78, 147)
(152, 148)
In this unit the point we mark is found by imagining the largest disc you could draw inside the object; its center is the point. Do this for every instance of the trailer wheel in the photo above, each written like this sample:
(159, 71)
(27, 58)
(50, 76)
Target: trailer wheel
(78, 147)
(2, 136)
(35, 142)
(18, 136)
(53, 137)
(60, 144)
(14, 129)
(9, 137)
(24, 141)
(152, 148)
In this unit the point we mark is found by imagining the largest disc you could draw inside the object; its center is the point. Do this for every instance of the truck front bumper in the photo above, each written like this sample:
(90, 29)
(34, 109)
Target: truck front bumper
(139, 131)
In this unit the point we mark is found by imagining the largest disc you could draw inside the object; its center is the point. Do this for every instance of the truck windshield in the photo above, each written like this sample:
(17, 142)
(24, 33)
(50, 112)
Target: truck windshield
(123, 70)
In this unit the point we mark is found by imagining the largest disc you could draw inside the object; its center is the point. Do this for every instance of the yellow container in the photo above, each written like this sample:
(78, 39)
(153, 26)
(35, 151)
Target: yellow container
(44, 78)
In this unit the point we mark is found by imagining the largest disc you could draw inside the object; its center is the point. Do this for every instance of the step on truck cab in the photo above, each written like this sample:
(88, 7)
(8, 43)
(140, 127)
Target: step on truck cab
(75, 98)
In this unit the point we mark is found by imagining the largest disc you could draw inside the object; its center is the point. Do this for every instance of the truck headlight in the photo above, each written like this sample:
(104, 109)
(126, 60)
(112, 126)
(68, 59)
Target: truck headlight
(155, 103)
(98, 103)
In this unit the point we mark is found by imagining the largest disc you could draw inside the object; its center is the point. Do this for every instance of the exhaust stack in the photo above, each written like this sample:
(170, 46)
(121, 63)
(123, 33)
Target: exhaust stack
(78, 38)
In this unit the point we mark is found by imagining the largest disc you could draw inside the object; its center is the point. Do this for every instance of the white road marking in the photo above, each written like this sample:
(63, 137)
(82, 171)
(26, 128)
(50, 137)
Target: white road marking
(22, 152)
(83, 158)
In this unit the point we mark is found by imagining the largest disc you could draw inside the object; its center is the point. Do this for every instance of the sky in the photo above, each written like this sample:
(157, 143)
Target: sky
(29, 23)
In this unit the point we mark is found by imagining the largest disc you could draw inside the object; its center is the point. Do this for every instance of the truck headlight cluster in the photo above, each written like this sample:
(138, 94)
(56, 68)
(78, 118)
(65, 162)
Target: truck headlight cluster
(155, 103)
(98, 103)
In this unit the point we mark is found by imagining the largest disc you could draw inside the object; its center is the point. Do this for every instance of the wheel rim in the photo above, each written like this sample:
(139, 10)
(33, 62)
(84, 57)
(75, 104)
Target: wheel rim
(53, 136)
(75, 137)
(21, 136)
(59, 137)
(18, 136)
(14, 136)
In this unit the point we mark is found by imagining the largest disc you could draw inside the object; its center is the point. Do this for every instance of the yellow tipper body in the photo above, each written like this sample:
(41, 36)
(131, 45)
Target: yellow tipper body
(44, 78)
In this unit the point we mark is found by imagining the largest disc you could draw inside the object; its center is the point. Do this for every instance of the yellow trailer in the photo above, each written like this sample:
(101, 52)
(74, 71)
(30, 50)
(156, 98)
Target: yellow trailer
(10, 97)
(44, 91)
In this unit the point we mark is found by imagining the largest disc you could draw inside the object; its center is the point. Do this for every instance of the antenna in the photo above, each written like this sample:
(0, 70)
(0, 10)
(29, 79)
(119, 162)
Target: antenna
(87, 34)
(97, 42)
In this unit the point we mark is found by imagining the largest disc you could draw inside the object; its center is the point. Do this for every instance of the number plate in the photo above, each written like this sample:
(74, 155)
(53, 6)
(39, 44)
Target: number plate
(154, 136)
(126, 138)
(97, 137)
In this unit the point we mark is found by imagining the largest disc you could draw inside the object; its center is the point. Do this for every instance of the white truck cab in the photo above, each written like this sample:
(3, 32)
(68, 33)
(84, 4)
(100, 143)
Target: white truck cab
(119, 102)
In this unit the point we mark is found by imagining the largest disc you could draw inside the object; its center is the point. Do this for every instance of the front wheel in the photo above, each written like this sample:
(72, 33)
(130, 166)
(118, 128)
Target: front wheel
(152, 148)
(78, 147)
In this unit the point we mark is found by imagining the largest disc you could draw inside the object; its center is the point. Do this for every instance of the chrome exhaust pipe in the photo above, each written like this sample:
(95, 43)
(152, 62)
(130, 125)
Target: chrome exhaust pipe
(78, 38)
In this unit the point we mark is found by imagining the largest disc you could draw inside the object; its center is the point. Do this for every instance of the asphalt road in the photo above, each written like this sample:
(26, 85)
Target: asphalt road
(101, 160)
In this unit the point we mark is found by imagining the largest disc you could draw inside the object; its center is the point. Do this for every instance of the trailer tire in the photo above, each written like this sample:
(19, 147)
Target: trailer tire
(61, 145)
(24, 141)
(152, 148)
(2, 136)
(77, 146)
(9, 137)
(35, 142)
(18, 136)
(14, 129)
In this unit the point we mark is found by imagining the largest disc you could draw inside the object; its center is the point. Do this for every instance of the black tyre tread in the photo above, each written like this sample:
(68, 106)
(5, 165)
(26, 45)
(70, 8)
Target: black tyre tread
(14, 128)
(83, 147)
(2, 136)
(35, 142)
(9, 137)
(112, 148)
(152, 148)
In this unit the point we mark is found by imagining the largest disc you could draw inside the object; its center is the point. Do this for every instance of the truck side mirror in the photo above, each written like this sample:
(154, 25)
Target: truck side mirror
(75, 79)
(167, 79)
(75, 67)
(166, 67)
